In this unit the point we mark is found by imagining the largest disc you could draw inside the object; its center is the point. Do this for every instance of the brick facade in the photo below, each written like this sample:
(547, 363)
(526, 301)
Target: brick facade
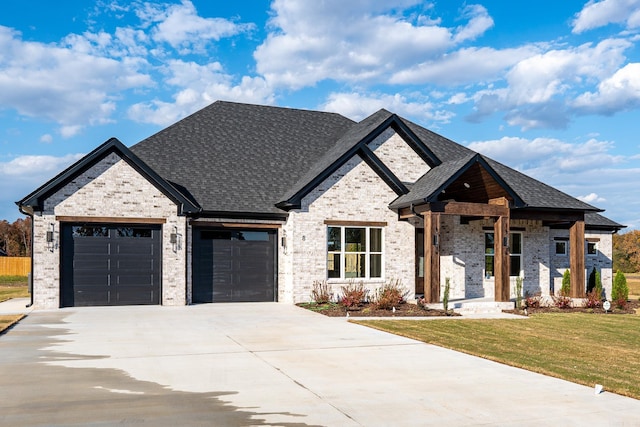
(109, 189)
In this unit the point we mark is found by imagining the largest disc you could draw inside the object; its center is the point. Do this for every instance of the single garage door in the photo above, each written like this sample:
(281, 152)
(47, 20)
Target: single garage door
(110, 264)
(234, 265)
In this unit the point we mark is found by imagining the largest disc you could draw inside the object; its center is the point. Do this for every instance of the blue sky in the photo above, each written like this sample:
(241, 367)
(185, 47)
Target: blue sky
(549, 88)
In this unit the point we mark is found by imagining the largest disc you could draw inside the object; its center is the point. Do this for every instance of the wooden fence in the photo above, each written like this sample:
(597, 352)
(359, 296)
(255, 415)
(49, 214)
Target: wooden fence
(15, 266)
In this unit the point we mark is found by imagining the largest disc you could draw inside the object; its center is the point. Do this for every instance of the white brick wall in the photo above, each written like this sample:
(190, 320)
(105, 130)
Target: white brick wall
(394, 152)
(353, 193)
(110, 189)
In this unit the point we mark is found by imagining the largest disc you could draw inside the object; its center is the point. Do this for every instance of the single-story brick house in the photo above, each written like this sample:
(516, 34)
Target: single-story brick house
(254, 203)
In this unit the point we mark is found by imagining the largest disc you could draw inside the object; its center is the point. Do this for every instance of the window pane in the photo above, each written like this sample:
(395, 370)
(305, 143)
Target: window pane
(515, 244)
(333, 266)
(334, 239)
(375, 237)
(354, 265)
(515, 266)
(89, 231)
(561, 248)
(592, 249)
(355, 239)
(488, 266)
(375, 265)
(134, 232)
(256, 236)
(488, 244)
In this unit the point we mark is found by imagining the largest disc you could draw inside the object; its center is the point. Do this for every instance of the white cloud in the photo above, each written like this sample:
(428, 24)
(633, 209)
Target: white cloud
(358, 106)
(46, 138)
(592, 198)
(619, 92)
(183, 29)
(310, 42)
(597, 14)
(197, 86)
(66, 85)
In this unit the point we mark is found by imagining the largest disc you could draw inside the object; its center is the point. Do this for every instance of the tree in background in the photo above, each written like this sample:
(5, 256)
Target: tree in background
(15, 239)
(626, 252)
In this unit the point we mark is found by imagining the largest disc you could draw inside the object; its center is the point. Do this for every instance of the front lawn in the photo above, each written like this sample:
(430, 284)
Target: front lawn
(584, 348)
(13, 287)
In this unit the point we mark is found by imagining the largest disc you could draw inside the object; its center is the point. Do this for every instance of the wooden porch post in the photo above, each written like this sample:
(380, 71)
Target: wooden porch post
(501, 259)
(576, 265)
(431, 257)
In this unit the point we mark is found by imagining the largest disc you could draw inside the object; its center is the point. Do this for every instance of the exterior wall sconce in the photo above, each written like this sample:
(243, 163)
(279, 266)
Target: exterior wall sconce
(175, 239)
(50, 238)
(436, 240)
(505, 241)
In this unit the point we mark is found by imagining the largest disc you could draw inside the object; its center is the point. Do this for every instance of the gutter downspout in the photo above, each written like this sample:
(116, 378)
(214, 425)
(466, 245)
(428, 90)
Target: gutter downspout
(22, 211)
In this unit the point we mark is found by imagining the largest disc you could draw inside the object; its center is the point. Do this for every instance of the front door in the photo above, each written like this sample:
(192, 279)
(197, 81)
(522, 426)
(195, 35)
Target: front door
(419, 261)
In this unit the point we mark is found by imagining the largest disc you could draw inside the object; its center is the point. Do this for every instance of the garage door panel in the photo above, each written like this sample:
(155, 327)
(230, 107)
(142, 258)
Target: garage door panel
(234, 265)
(110, 265)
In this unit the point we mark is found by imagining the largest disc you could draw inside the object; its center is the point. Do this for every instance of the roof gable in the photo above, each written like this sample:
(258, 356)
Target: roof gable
(355, 142)
(36, 199)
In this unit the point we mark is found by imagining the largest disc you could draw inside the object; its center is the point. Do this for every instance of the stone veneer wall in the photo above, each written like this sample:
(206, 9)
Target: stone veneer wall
(353, 193)
(109, 189)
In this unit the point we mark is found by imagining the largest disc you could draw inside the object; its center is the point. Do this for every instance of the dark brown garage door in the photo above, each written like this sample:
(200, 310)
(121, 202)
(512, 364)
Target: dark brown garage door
(110, 265)
(234, 265)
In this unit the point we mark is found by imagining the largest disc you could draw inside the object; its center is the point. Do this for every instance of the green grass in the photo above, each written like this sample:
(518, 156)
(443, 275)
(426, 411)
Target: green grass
(13, 287)
(633, 281)
(6, 321)
(583, 348)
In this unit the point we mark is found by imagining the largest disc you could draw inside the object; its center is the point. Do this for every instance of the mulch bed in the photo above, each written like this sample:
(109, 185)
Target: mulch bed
(633, 307)
(370, 310)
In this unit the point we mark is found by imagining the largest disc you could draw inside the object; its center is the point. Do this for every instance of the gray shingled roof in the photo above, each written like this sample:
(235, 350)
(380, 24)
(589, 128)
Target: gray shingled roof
(238, 157)
(243, 158)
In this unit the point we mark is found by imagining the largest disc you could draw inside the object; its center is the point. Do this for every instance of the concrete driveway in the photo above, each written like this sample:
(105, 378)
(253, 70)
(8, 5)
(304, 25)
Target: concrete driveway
(266, 364)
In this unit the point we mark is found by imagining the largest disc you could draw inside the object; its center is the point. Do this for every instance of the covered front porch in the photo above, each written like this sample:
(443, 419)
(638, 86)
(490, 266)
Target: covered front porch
(473, 194)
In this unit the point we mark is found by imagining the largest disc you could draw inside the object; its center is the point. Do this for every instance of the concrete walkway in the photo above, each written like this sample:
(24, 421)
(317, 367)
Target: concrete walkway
(266, 364)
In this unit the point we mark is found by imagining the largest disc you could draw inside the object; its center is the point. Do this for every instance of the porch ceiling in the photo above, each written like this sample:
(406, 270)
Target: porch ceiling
(475, 185)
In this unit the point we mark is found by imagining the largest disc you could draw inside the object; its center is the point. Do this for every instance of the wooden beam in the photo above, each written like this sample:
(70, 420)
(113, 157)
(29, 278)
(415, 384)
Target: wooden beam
(501, 259)
(432, 257)
(563, 216)
(576, 264)
(356, 223)
(464, 209)
(110, 220)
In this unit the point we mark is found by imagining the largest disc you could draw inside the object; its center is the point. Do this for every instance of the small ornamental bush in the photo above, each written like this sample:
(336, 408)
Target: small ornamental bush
(620, 290)
(594, 299)
(518, 292)
(565, 290)
(321, 292)
(353, 295)
(532, 301)
(445, 295)
(390, 295)
(562, 301)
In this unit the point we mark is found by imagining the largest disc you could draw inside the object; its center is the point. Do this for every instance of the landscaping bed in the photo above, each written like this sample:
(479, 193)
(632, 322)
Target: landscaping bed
(632, 307)
(371, 310)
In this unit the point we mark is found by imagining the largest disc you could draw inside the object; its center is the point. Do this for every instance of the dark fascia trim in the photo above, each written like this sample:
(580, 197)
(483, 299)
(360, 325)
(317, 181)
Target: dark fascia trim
(477, 158)
(382, 170)
(241, 215)
(392, 121)
(113, 145)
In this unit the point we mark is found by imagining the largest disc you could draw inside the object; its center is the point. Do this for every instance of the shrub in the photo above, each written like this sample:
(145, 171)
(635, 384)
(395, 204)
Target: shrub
(518, 292)
(321, 292)
(390, 295)
(620, 290)
(565, 290)
(591, 283)
(353, 295)
(445, 295)
(532, 301)
(594, 299)
(562, 301)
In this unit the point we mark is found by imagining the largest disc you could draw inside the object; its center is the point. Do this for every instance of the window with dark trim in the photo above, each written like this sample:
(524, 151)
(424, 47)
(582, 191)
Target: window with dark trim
(561, 247)
(354, 252)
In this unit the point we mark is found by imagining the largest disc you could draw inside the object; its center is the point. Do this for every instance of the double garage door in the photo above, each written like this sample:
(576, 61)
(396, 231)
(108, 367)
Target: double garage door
(110, 264)
(234, 265)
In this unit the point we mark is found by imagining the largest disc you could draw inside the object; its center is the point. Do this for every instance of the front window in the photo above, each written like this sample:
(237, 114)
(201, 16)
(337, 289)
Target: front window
(592, 248)
(561, 247)
(354, 252)
(515, 250)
